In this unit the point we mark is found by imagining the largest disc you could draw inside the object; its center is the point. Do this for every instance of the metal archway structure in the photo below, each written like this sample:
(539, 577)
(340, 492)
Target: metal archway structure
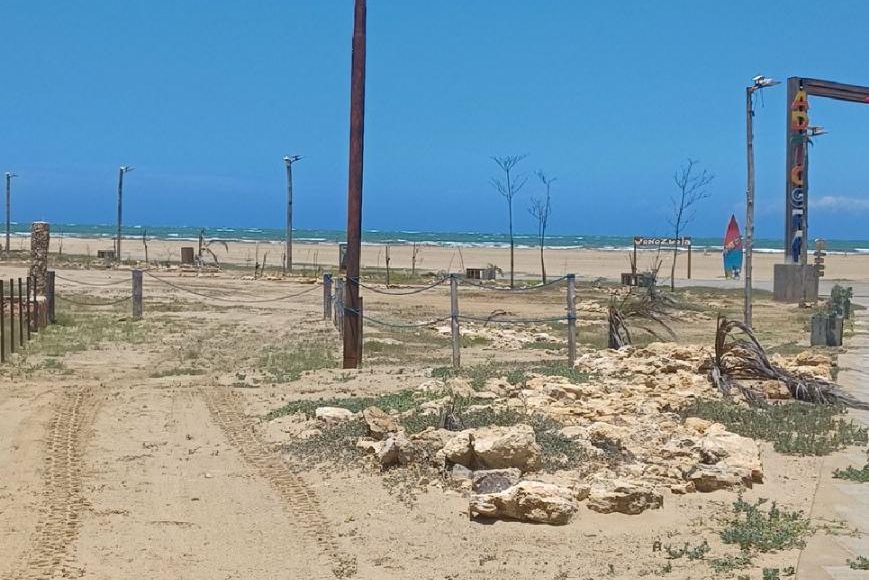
(795, 279)
(796, 217)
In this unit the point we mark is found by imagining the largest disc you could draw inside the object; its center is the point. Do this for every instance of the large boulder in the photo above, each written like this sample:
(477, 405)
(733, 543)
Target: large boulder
(708, 478)
(396, 449)
(734, 452)
(379, 423)
(494, 480)
(503, 447)
(623, 496)
(332, 415)
(459, 449)
(530, 501)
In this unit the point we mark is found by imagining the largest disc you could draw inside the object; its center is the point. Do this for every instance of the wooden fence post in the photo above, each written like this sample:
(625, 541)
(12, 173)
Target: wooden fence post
(49, 295)
(29, 309)
(11, 316)
(327, 296)
(387, 265)
(454, 321)
(137, 294)
(571, 320)
(689, 261)
(20, 315)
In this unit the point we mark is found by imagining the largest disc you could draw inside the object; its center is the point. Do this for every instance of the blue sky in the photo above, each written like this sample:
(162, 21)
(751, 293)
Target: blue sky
(205, 97)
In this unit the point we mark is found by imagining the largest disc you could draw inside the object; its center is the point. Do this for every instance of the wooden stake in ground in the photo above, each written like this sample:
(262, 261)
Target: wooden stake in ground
(327, 296)
(454, 321)
(137, 294)
(571, 320)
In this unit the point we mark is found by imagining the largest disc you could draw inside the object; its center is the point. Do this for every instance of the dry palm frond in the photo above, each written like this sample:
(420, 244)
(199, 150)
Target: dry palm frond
(745, 359)
(649, 311)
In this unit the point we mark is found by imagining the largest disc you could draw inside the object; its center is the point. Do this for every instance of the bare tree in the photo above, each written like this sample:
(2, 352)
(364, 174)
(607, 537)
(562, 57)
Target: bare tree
(691, 187)
(540, 209)
(509, 187)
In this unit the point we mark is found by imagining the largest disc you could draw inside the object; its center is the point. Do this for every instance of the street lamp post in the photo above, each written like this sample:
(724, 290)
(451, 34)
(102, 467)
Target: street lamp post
(288, 240)
(760, 82)
(9, 176)
(121, 171)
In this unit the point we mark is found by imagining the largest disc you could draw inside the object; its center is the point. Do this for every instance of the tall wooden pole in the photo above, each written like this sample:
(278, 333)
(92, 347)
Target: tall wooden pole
(749, 203)
(454, 321)
(571, 320)
(352, 318)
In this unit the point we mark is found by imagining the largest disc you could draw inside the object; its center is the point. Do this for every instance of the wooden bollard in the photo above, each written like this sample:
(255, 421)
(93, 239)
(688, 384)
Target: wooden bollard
(137, 294)
(29, 311)
(454, 321)
(571, 320)
(20, 315)
(11, 316)
(49, 295)
(327, 296)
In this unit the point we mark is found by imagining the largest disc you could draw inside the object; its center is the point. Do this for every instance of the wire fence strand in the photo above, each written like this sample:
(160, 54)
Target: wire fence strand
(483, 286)
(238, 300)
(398, 324)
(85, 303)
(496, 320)
(74, 281)
(399, 292)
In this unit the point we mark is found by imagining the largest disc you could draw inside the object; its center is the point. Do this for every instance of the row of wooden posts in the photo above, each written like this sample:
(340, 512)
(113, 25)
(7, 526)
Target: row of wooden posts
(32, 313)
(333, 309)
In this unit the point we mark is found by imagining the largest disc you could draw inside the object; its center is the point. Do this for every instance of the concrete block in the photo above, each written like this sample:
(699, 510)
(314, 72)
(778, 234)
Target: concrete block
(795, 283)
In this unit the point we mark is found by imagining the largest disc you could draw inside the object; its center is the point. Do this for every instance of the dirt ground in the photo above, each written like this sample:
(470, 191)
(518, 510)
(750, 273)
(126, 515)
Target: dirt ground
(139, 449)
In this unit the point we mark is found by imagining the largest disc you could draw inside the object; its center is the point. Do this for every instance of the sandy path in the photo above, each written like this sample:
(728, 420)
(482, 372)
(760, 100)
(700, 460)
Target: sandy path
(171, 497)
(825, 556)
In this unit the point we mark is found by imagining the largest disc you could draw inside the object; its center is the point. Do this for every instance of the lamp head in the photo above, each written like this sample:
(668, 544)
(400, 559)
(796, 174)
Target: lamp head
(288, 159)
(761, 82)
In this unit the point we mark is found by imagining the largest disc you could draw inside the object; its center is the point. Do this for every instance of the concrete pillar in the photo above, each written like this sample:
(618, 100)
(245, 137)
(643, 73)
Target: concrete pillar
(40, 236)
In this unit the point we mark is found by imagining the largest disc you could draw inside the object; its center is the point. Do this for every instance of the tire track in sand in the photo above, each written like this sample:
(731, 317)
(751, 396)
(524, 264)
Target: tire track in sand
(62, 501)
(299, 500)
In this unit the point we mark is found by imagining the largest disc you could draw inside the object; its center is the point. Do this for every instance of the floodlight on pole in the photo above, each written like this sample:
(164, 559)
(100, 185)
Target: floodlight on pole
(123, 169)
(759, 83)
(9, 176)
(288, 239)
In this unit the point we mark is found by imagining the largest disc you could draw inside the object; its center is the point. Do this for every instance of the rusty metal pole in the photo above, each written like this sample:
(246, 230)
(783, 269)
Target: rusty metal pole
(352, 318)
(29, 312)
(2, 323)
(11, 316)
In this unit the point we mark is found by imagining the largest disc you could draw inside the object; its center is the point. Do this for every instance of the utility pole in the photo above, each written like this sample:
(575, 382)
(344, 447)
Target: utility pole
(9, 176)
(121, 171)
(352, 303)
(760, 82)
(288, 240)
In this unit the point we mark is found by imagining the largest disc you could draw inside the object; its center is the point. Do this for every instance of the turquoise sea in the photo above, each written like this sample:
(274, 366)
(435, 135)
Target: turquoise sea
(467, 239)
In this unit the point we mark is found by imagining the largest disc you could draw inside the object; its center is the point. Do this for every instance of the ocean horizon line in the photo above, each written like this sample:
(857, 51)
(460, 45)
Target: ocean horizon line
(408, 237)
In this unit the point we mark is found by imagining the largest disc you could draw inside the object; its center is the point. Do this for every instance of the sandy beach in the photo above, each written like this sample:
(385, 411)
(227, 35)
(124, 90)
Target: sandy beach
(559, 261)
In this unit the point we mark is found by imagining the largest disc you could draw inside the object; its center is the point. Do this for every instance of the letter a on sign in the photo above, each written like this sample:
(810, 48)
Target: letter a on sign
(801, 101)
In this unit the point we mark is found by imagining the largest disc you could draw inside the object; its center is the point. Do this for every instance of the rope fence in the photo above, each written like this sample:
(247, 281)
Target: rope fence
(335, 308)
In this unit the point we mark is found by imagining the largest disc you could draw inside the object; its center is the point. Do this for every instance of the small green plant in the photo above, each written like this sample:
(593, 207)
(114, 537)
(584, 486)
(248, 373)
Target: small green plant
(860, 475)
(399, 401)
(793, 428)
(335, 444)
(730, 563)
(771, 574)
(860, 563)
(287, 362)
(697, 552)
(754, 528)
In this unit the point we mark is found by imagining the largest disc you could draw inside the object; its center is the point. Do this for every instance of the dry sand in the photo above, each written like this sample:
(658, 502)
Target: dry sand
(136, 449)
(583, 263)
